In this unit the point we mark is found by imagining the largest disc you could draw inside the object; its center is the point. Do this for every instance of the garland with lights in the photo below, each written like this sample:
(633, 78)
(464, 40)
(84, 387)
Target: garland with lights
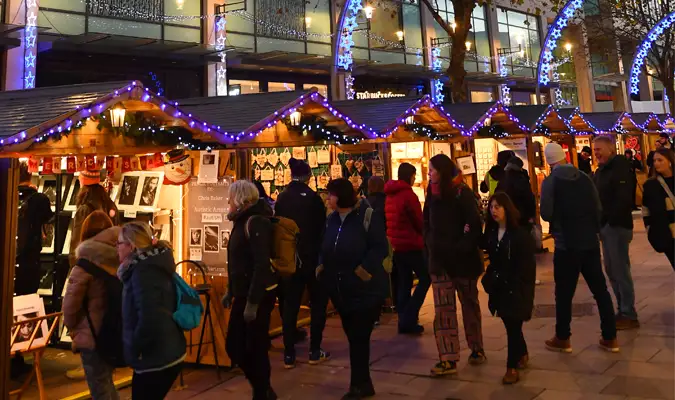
(643, 50)
(319, 129)
(493, 131)
(544, 66)
(424, 131)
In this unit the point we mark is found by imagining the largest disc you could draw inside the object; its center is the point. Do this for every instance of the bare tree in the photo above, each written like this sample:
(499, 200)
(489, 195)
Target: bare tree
(459, 32)
(627, 29)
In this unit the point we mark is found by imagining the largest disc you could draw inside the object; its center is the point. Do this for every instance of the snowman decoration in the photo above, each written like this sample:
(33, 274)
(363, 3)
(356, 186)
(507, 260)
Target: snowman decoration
(178, 170)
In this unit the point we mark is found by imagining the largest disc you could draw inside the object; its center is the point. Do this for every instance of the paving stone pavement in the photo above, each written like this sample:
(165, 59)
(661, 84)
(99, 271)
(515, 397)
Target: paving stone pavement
(644, 369)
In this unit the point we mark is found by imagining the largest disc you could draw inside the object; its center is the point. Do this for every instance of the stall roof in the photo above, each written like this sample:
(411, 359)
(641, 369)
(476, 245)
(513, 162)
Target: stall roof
(473, 116)
(467, 114)
(248, 115)
(383, 116)
(567, 113)
(535, 117)
(31, 116)
(667, 121)
(643, 121)
(603, 121)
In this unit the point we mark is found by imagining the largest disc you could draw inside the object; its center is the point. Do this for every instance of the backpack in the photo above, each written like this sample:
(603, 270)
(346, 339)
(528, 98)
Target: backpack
(388, 262)
(284, 252)
(109, 343)
(189, 308)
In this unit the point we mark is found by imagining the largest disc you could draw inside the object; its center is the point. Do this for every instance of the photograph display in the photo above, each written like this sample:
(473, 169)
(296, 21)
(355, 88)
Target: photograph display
(25, 308)
(128, 190)
(149, 193)
(211, 238)
(196, 235)
(224, 239)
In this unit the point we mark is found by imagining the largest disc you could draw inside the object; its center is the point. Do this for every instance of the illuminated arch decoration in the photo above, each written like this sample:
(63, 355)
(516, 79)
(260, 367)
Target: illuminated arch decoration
(544, 66)
(30, 44)
(643, 50)
(343, 58)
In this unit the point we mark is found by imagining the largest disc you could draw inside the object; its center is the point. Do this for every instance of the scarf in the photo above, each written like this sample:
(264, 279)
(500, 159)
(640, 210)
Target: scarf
(436, 188)
(140, 255)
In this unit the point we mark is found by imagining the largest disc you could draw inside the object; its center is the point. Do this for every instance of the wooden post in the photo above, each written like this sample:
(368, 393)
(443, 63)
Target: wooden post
(9, 198)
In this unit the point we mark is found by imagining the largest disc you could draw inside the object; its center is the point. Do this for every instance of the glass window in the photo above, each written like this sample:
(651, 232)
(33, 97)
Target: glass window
(387, 57)
(519, 31)
(319, 49)
(478, 59)
(68, 24)
(246, 42)
(125, 28)
(385, 24)
(266, 44)
(245, 87)
(174, 8)
(317, 19)
(182, 34)
(323, 89)
(280, 87)
(412, 25)
(236, 23)
(69, 5)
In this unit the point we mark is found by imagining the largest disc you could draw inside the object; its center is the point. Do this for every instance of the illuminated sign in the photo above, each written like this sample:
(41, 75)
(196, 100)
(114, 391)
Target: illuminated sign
(377, 95)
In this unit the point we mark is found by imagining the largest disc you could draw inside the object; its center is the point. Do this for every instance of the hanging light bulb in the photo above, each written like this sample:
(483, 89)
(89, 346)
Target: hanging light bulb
(453, 25)
(180, 4)
(295, 118)
(117, 116)
(399, 35)
(468, 45)
(368, 10)
(308, 22)
(568, 46)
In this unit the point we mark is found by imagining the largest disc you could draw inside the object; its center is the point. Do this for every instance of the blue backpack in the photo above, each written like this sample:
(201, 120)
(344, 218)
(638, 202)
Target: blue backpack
(189, 307)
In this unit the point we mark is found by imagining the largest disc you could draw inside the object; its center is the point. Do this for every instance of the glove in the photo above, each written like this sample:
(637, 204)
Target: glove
(362, 274)
(250, 312)
(318, 271)
(226, 301)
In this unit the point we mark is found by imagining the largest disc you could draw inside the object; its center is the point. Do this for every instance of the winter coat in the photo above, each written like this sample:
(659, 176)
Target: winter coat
(614, 181)
(83, 211)
(492, 178)
(571, 204)
(378, 202)
(658, 212)
(100, 250)
(35, 211)
(346, 246)
(517, 185)
(585, 165)
(248, 255)
(304, 206)
(405, 223)
(450, 250)
(152, 339)
(513, 260)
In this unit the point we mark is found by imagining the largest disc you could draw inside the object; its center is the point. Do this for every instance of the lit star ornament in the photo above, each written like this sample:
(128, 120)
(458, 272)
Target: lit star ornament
(31, 4)
(220, 25)
(643, 50)
(554, 33)
(221, 72)
(30, 60)
(30, 80)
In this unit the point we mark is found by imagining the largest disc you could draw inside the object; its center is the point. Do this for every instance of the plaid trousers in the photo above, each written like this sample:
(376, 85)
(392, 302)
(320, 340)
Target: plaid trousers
(446, 328)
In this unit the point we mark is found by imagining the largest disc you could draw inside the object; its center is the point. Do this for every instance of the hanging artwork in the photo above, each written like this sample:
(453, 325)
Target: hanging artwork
(378, 166)
(323, 155)
(178, 170)
(208, 167)
(257, 172)
(267, 186)
(358, 164)
(267, 174)
(335, 171)
(312, 158)
(312, 182)
(349, 164)
(273, 157)
(323, 180)
(275, 195)
(287, 176)
(356, 180)
(261, 158)
(285, 157)
(299, 153)
(279, 176)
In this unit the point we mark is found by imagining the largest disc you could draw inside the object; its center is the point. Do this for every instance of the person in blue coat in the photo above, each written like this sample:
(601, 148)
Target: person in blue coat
(353, 249)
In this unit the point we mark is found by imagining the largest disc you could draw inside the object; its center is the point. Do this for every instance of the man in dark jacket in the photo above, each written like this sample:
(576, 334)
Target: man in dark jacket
(496, 173)
(570, 203)
(405, 232)
(614, 182)
(585, 161)
(635, 166)
(304, 206)
(34, 213)
(517, 185)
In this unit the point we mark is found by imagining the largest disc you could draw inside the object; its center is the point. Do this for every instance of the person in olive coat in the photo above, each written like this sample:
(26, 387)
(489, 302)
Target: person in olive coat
(509, 280)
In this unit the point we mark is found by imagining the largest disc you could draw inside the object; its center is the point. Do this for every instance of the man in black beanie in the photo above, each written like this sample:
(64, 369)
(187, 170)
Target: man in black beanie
(304, 206)
(585, 161)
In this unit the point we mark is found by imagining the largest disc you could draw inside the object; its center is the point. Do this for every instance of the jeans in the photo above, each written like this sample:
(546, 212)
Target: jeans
(446, 327)
(99, 376)
(358, 326)
(294, 287)
(154, 385)
(408, 306)
(247, 343)
(567, 265)
(615, 243)
(517, 348)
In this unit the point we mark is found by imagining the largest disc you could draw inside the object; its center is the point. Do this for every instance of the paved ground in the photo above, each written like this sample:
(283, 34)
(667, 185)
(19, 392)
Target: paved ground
(644, 369)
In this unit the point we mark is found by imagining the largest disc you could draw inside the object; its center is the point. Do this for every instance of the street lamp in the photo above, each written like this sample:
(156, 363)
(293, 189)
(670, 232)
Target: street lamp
(117, 116)
(399, 35)
(295, 118)
(468, 45)
(453, 26)
(368, 10)
(568, 47)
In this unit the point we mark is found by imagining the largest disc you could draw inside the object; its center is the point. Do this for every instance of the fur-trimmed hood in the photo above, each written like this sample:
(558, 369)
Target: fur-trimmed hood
(101, 250)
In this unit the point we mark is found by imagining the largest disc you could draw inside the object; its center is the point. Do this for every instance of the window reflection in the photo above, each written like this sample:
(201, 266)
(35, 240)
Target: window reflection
(519, 30)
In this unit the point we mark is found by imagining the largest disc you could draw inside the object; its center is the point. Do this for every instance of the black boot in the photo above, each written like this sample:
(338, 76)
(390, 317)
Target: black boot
(268, 394)
(360, 392)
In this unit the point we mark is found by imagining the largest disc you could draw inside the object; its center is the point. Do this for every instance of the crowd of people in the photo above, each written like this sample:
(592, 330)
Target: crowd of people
(341, 254)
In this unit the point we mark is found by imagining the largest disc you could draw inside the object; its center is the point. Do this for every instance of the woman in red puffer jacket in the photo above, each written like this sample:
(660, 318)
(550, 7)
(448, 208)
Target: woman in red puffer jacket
(405, 232)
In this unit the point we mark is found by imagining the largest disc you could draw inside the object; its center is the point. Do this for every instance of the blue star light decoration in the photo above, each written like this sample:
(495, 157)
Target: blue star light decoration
(30, 44)
(437, 84)
(551, 42)
(349, 24)
(643, 50)
(221, 67)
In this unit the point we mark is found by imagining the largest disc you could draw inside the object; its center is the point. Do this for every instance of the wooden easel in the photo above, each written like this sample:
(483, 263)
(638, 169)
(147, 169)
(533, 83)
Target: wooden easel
(36, 350)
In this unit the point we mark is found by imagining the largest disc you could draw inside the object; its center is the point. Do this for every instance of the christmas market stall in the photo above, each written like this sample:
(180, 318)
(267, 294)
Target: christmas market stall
(493, 128)
(668, 123)
(131, 141)
(404, 129)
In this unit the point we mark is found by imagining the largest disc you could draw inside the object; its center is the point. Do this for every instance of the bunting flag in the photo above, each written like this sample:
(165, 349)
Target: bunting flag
(33, 165)
(110, 164)
(134, 164)
(143, 162)
(47, 166)
(159, 160)
(81, 164)
(71, 165)
(90, 163)
(100, 162)
(126, 164)
(56, 165)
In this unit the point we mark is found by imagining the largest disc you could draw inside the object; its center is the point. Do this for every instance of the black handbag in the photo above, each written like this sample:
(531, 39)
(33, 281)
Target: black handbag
(491, 280)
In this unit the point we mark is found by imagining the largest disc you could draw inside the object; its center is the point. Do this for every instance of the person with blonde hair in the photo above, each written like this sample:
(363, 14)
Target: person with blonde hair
(154, 344)
(252, 287)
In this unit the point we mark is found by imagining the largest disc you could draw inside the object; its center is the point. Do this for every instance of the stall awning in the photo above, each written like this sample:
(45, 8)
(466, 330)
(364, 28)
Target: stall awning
(474, 116)
(541, 119)
(601, 122)
(647, 122)
(667, 121)
(246, 116)
(31, 117)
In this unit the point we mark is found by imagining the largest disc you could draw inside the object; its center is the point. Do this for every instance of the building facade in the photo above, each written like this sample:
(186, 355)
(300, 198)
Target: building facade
(178, 48)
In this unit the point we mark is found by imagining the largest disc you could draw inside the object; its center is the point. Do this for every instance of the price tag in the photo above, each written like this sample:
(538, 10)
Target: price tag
(130, 214)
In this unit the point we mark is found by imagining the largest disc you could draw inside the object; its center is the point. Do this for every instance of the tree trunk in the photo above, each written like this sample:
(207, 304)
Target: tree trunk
(456, 71)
